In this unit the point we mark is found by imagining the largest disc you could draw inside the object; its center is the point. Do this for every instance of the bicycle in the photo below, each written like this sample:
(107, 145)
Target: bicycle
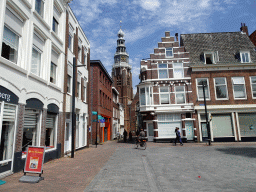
(142, 143)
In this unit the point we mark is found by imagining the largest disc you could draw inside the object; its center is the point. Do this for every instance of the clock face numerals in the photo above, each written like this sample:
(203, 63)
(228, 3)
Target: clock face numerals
(123, 59)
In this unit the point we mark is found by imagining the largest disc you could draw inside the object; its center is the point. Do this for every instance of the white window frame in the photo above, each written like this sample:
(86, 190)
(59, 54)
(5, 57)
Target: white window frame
(201, 99)
(167, 51)
(241, 56)
(56, 24)
(54, 82)
(227, 97)
(17, 51)
(239, 84)
(252, 85)
(164, 93)
(71, 43)
(180, 92)
(148, 98)
(178, 68)
(40, 64)
(42, 8)
(69, 79)
(158, 69)
(214, 55)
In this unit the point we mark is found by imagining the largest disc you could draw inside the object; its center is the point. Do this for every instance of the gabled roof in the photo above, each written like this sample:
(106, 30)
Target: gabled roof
(228, 44)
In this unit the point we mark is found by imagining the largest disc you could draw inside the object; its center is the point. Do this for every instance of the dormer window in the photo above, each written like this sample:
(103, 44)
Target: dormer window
(245, 56)
(210, 57)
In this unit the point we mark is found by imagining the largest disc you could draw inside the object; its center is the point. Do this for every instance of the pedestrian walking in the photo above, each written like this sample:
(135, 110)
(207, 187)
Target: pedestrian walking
(125, 136)
(178, 138)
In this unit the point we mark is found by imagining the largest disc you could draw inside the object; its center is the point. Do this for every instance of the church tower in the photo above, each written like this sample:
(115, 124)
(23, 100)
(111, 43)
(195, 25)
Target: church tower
(122, 77)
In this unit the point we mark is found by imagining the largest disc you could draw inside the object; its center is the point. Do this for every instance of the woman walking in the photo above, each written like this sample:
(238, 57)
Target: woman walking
(178, 138)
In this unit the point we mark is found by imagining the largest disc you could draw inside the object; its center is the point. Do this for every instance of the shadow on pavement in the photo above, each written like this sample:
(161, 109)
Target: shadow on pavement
(241, 151)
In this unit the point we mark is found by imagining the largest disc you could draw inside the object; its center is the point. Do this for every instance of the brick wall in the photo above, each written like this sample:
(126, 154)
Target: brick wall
(19, 130)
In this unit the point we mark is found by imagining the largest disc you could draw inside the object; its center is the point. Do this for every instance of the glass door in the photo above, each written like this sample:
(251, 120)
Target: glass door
(150, 131)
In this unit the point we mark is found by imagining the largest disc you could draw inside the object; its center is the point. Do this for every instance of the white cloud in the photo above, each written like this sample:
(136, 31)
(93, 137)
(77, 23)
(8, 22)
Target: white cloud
(150, 5)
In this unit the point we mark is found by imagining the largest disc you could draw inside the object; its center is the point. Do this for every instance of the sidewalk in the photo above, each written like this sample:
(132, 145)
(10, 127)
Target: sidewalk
(66, 174)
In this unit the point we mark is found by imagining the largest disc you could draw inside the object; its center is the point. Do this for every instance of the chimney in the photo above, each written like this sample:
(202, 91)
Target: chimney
(244, 28)
(176, 35)
(167, 34)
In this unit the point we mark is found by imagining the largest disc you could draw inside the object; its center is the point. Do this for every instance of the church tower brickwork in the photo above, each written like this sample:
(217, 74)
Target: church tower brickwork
(122, 77)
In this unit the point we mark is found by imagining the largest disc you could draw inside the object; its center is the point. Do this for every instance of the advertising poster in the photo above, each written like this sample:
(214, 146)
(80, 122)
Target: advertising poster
(35, 159)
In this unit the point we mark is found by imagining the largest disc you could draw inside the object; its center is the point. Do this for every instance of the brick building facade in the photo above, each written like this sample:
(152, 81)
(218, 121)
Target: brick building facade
(225, 63)
(165, 92)
(100, 100)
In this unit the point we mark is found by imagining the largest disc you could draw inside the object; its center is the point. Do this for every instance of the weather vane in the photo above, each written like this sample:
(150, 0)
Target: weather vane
(120, 24)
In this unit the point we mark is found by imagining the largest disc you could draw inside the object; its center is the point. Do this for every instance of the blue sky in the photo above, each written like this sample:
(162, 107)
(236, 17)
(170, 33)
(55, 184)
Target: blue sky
(145, 21)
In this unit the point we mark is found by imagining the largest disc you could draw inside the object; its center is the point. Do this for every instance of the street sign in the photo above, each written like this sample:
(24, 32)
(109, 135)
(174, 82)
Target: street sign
(94, 112)
(100, 117)
(102, 120)
(102, 125)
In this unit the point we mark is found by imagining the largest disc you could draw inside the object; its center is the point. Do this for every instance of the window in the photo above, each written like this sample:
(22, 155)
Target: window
(79, 53)
(70, 42)
(10, 45)
(53, 73)
(162, 71)
(239, 87)
(142, 96)
(245, 56)
(7, 122)
(169, 52)
(253, 86)
(77, 89)
(50, 131)
(220, 88)
(39, 7)
(84, 93)
(69, 84)
(55, 25)
(178, 71)
(36, 62)
(210, 57)
(200, 83)
(164, 95)
(180, 94)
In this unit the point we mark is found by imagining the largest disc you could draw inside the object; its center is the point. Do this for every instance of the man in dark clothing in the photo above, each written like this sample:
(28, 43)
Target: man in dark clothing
(125, 135)
(178, 138)
(141, 135)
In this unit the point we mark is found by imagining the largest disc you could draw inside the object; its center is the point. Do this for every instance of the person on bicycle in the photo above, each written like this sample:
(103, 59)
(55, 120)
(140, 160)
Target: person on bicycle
(141, 135)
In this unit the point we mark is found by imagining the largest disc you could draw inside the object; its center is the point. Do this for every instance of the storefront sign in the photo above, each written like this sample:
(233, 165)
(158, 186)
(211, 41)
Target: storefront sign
(34, 160)
(102, 124)
(8, 96)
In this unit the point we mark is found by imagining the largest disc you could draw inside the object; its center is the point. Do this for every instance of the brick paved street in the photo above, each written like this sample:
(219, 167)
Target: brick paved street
(161, 167)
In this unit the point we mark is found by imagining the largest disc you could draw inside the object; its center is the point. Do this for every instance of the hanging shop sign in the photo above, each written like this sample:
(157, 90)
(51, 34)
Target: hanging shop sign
(8, 96)
(34, 160)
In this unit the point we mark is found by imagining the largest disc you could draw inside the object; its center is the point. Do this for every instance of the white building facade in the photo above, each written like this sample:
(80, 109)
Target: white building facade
(32, 37)
(78, 48)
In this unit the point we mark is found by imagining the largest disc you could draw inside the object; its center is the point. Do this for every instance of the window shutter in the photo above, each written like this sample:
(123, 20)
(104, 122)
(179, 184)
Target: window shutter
(56, 14)
(16, 23)
(55, 57)
(38, 42)
(50, 121)
(10, 38)
(9, 112)
(30, 119)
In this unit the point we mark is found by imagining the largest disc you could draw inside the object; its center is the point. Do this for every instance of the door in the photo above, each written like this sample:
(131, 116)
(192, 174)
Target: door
(189, 130)
(150, 131)
(67, 144)
(105, 134)
(204, 131)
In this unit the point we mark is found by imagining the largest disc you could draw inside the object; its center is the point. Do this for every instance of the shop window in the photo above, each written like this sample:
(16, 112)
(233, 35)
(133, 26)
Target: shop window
(10, 45)
(220, 88)
(67, 132)
(178, 71)
(200, 83)
(31, 128)
(162, 71)
(7, 122)
(39, 7)
(247, 124)
(239, 87)
(164, 95)
(50, 131)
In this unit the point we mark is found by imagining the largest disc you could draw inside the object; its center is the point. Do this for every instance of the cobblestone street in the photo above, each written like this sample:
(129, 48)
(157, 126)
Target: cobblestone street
(161, 167)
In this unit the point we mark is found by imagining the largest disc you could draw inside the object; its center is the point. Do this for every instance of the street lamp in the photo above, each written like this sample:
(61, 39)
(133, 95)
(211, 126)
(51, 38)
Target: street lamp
(204, 84)
(73, 107)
